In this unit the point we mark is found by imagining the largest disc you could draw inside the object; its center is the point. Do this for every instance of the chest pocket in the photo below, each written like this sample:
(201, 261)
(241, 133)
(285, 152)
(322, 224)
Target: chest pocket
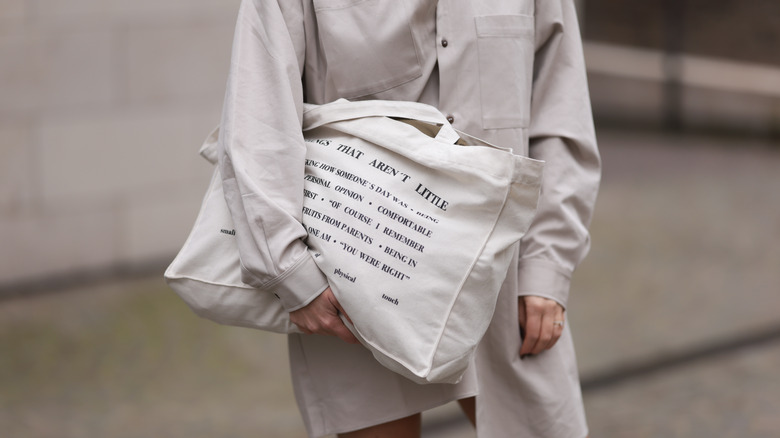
(368, 44)
(506, 54)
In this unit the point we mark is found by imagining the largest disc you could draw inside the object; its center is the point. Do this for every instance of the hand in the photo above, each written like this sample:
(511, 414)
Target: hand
(537, 317)
(321, 317)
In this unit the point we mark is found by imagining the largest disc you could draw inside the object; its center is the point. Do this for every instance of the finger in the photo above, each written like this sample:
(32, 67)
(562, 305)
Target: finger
(545, 332)
(322, 317)
(343, 333)
(558, 322)
(533, 329)
(336, 327)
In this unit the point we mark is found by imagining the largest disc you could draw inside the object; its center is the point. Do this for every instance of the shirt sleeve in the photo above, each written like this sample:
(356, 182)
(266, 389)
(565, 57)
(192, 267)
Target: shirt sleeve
(562, 134)
(262, 151)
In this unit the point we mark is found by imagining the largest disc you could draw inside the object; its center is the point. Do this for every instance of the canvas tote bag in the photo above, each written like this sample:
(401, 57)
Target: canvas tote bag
(412, 222)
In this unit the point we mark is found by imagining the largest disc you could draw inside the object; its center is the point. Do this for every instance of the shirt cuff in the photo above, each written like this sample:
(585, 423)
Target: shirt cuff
(543, 278)
(299, 285)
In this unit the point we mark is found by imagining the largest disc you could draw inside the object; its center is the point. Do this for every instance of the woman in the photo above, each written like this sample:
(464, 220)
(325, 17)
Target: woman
(507, 71)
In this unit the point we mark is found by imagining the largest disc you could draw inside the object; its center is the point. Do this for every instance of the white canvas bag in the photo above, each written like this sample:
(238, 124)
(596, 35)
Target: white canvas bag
(412, 222)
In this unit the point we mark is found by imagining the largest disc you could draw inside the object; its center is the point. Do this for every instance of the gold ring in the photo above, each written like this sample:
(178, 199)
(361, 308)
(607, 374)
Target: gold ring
(560, 323)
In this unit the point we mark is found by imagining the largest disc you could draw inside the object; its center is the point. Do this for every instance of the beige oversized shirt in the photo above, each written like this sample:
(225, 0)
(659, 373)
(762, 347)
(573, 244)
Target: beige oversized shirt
(507, 71)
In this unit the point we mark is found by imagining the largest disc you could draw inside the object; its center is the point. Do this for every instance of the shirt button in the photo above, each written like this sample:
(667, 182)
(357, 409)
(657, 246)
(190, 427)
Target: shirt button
(444, 43)
(451, 119)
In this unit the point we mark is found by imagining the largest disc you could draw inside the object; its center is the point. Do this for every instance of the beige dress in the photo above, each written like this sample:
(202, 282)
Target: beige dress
(508, 71)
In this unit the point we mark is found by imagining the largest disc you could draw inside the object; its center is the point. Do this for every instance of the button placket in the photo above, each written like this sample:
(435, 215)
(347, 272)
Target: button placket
(448, 57)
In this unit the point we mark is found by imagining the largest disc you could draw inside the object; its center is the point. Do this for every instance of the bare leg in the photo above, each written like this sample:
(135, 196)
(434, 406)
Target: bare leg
(408, 427)
(469, 407)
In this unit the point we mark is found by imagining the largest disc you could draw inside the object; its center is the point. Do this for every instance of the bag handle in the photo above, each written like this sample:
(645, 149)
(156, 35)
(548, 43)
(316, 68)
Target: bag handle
(315, 116)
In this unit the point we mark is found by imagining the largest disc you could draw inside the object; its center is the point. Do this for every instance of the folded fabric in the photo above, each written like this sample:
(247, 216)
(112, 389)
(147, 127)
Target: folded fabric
(412, 222)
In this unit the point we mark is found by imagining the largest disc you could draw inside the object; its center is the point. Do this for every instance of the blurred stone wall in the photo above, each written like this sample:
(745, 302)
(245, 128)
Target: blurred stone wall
(699, 64)
(103, 106)
(747, 31)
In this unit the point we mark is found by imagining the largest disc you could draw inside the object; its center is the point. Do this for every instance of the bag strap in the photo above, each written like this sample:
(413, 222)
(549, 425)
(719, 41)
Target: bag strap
(315, 116)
